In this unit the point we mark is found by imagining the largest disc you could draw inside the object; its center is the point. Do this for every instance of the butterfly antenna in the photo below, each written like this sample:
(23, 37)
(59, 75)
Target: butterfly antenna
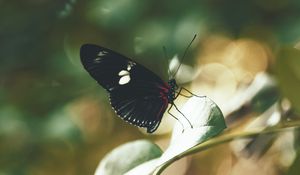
(187, 48)
(166, 58)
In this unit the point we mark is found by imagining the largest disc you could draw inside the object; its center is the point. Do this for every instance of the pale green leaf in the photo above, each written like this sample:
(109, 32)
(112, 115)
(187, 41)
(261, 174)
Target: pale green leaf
(128, 156)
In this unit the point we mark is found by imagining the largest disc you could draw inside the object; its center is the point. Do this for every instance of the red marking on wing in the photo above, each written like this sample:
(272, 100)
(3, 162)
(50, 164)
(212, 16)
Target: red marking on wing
(164, 106)
(165, 88)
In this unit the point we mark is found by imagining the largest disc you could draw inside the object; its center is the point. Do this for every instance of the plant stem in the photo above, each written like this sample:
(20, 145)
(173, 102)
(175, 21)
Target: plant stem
(226, 137)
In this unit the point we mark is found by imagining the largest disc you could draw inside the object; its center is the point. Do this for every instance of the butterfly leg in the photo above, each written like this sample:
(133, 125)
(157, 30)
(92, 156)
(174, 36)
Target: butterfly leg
(192, 94)
(183, 115)
(179, 93)
(187, 96)
(174, 116)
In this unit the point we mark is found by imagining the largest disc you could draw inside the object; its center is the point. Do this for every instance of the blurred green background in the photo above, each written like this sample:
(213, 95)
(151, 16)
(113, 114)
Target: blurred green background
(54, 119)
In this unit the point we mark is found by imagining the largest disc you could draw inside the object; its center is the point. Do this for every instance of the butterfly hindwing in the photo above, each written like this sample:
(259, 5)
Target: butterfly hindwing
(142, 107)
(136, 94)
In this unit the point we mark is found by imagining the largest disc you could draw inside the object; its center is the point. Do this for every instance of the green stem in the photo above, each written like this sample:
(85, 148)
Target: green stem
(289, 126)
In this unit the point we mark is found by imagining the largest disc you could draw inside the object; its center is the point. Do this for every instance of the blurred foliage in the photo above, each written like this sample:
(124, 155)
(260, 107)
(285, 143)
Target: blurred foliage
(289, 74)
(54, 119)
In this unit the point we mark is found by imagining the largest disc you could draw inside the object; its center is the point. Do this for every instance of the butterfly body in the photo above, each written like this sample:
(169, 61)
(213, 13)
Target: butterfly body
(136, 94)
(172, 90)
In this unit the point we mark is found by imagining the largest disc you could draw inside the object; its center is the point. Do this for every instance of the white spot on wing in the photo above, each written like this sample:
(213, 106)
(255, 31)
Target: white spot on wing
(124, 80)
(123, 72)
(102, 53)
(97, 60)
(130, 65)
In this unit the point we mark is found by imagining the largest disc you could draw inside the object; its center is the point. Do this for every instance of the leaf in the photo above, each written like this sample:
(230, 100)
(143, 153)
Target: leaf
(147, 168)
(287, 68)
(265, 98)
(294, 168)
(207, 120)
(127, 156)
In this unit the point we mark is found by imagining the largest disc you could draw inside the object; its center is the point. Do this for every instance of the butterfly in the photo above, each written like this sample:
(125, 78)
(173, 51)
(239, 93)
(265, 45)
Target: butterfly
(136, 94)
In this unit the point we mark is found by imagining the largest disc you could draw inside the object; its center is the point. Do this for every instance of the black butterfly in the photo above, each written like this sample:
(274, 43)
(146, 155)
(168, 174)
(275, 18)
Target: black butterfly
(136, 94)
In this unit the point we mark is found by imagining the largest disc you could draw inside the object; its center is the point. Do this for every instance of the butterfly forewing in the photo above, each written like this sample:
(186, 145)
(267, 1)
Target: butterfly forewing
(136, 94)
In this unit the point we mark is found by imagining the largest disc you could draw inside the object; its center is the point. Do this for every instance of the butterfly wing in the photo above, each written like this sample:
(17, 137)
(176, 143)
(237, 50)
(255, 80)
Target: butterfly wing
(141, 108)
(136, 94)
